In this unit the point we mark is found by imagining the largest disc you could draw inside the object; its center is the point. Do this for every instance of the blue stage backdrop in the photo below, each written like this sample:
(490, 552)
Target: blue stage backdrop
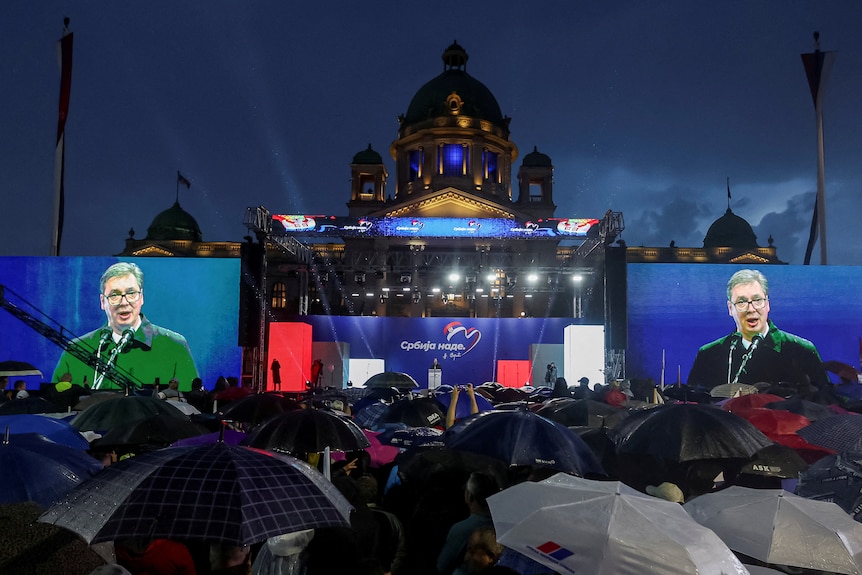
(197, 297)
(468, 349)
(676, 308)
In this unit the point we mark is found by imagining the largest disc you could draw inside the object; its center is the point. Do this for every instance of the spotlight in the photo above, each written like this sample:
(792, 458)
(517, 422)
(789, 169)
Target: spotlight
(406, 278)
(416, 297)
(359, 278)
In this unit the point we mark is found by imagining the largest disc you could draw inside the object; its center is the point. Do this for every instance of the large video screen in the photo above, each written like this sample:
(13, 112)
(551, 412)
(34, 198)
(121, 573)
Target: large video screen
(673, 309)
(195, 297)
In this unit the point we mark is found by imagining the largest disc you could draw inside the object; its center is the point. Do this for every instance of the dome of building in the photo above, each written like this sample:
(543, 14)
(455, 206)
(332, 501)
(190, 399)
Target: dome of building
(473, 98)
(174, 224)
(367, 156)
(730, 231)
(537, 159)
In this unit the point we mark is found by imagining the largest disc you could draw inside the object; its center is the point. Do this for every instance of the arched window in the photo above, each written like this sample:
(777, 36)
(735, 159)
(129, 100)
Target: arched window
(453, 160)
(279, 295)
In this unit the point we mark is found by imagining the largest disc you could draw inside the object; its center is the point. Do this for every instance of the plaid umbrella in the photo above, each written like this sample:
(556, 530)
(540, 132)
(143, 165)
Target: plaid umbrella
(215, 492)
(839, 432)
(370, 416)
(811, 410)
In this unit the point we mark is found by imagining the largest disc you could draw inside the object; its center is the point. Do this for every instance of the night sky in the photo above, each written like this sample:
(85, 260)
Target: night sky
(644, 107)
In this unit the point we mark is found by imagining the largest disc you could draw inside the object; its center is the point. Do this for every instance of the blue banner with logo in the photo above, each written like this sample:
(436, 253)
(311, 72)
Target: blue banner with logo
(468, 347)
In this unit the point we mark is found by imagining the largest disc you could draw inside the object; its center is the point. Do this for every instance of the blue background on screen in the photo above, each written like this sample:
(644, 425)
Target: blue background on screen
(678, 308)
(197, 297)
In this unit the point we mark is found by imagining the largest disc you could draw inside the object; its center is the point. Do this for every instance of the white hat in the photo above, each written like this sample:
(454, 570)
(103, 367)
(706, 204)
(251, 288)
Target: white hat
(667, 491)
(22, 394)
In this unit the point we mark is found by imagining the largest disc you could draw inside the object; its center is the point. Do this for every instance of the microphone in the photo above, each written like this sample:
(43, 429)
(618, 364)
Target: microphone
(755, 341)
(103, 339)
(128, 335)
(734, 341)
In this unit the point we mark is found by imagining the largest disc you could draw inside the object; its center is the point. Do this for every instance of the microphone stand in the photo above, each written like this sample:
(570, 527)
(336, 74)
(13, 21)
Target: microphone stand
(112, 360)
(754, 344)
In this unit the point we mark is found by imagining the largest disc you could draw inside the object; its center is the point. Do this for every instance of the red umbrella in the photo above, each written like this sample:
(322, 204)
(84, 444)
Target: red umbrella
(773, 421)
(749, 401)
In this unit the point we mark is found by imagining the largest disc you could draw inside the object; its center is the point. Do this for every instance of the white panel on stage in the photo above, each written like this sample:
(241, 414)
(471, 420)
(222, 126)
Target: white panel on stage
(362, 369)
(584, 353)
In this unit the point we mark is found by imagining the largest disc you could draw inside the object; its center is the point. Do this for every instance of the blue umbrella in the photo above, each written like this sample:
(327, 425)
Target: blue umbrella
(57, 430)
(521, 437)
(412, 437)
(37, 469)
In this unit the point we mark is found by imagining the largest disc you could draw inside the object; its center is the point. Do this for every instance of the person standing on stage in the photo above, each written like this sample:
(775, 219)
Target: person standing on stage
(757, 351)
(151, 352)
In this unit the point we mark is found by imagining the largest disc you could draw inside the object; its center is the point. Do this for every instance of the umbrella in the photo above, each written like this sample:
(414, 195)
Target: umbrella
(29, 547)
(777, 461)
(836, 478)
(226, 435)
(389, 379)
(463, 407)
(381, 454)
(11, 368)
(370, 416)
(839, 368)
(732, 390)
(613, 531)
(153, 432)
(307, 431)
(812, 411)
(420, 412)
(773, 422)
(96, 397)
(522, 437)
(118, 410)
(582, 412)
(431, 466)
(33, 404)
(57, 430)
(778, 527)
(256, 408)
(687, 432)
(217, 492)
(602, 446)
(837, 432)
(231, 393)
(37, 469)
(412, 437)
(687, 393)
(749, 401)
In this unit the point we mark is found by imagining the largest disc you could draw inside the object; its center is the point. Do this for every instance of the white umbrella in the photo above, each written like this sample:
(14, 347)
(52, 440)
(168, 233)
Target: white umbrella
(611, 532)
(781, 528)
(510, 506)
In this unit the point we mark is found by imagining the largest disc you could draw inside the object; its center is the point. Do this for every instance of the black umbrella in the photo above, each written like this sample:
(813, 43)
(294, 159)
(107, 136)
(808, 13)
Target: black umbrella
(835, 478)
(419, 412)
(257, 408)
(688, 432)
(307, 431)
(154, 432)
(524, 438)
(32, 404)
(430, 466)
(775, 460)
(813, 411)
(389, 379)
(216, 492)
(118, 410)
(582, 412)
(11, 368)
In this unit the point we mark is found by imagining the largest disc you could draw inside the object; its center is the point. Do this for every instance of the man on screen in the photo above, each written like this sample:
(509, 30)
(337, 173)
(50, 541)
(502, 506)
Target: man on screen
(757, 351)
(148, 353)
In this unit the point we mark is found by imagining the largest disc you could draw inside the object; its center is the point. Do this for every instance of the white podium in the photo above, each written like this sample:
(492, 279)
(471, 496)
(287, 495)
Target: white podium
(434, 378)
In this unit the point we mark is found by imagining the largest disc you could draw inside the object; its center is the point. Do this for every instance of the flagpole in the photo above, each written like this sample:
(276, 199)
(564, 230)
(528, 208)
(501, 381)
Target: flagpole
(65, 57)
(817, 67)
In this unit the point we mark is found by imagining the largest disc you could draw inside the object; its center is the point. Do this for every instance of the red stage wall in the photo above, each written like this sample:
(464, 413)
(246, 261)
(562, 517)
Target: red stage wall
(513, 373)
(290, 344)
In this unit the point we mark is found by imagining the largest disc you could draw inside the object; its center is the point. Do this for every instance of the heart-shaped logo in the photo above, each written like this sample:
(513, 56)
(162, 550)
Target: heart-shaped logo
(457, 331)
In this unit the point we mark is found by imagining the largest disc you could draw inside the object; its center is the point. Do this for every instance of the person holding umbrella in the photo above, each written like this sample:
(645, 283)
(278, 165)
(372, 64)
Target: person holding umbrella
(757, 351)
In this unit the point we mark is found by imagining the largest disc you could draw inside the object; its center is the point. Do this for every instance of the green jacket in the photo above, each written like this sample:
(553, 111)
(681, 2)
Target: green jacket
(781, 357)
(155, 352)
